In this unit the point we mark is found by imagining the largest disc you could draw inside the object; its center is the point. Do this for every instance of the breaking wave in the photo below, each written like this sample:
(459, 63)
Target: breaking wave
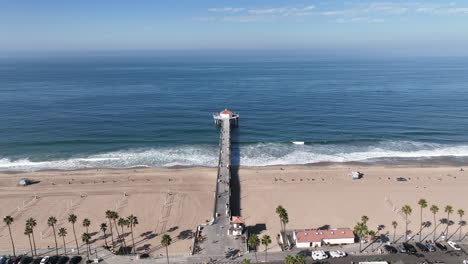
(258, 154)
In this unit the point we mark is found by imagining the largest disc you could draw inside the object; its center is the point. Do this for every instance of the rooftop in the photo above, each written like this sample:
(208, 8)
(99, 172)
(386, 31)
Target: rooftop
(317, 235)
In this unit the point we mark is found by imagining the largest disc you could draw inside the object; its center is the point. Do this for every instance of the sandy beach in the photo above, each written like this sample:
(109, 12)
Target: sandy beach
(177, 200)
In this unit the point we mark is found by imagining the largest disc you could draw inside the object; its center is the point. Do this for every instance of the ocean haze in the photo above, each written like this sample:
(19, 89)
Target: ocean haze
(100, 110)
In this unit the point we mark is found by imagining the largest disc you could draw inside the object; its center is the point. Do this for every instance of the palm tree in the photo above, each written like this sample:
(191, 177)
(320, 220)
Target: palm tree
(372, 235)
(300, 259)
(86, 224)
(85, 237)
(407, 211)
(31, 222)
(448, 209)
(266, 241)
(434, 209)
(283, 216)
(461, 213)
(114, 217)
(289, 260)
(360, 230)
(253, 242)
(103, 228)
(364, 219)
(166, 242)
(28, 232)
(132, 222)
(62, 233)
(246, 261)
(8, 221)
(72, 219)
(109, 217)
(122, 222)
(394, 224)
(422, 204)
(51, 222)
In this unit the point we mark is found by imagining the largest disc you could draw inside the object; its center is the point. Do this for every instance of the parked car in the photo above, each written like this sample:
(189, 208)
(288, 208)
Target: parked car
(390, 249)
(45, 260)
(3, 259)
(319, 255)
(410, 248)
(441, 246)
(401, 179)
(26, 260)
(337, 254)
(422, 247)
(402, 248)
(453, 245)
(75, 260)
(62, 260)
(430, 247)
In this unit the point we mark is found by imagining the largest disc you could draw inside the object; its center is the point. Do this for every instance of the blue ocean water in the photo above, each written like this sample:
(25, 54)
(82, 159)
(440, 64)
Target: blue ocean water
(70, 112)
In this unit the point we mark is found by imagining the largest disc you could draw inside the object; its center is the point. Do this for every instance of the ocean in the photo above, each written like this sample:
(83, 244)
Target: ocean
(104, 111)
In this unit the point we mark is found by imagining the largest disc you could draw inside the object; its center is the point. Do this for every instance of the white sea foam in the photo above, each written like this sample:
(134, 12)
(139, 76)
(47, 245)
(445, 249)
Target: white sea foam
(261, 154)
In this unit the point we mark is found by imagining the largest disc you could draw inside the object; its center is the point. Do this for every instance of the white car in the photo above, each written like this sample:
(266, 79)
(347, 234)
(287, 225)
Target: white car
(319, 255)
(453, 245)
(45, 260)
(465, 261)
(337, 254)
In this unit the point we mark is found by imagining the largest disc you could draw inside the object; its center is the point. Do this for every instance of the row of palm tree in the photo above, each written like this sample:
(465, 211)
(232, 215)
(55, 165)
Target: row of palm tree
(254, 241)
(407, 210)
(130, 222)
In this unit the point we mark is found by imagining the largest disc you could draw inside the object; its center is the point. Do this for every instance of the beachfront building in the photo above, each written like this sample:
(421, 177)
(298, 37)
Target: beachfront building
(316, 237)
(236, 228)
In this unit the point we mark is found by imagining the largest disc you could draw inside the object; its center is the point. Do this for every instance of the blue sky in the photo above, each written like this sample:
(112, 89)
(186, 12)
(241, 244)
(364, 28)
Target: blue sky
(436, 27)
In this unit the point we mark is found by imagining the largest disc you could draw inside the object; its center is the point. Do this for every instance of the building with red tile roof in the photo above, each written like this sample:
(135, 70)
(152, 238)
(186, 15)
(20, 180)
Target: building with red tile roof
(317, 237)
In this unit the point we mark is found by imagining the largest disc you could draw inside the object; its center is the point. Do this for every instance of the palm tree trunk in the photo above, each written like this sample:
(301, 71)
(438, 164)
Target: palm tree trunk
(105, 238)
(255, 252)
(87, 249)
(123, 239)
(266, 253)
(112, 233)
(461, 225)
(64, 246)
(394, 233)
(167, 255)
(133, 239)
(448, 222)
(12, 243)
(30, 244)
(76, 240)
(435, 227)
(34, 241)
(360, 244)
(55, 237)
(117, 229)
(420, 227)
(406, 228)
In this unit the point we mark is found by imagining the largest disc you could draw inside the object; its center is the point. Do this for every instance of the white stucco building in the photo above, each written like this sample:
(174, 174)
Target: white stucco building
(316, 238)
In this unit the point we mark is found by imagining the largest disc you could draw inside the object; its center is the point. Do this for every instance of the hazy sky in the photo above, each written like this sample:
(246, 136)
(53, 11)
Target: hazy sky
(435, 27)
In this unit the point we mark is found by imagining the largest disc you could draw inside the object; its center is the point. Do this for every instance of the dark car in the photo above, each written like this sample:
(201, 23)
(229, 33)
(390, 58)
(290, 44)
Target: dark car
(430, 247)
(401, 179)
(63, 260)
(422, 247)
(440, 246)
(75, 260)
(410, 248)
(26, 260)
(390, 249)
(37, 260)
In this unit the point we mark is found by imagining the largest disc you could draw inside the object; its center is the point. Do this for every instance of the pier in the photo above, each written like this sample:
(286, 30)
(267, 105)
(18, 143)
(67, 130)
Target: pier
(217, 240)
